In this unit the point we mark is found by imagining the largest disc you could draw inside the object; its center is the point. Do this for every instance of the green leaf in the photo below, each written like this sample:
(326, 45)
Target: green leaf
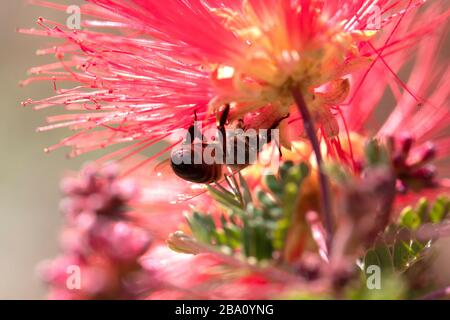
(202, 226)
(439, 210)
(279, 233)
(234, 186)
(417, 247)
(255, 229)
(246, 194)
(410, 218)
(422, 209)
(375, 153)
(284, 169)
(402, 255)
(226, 199)
(233, 236)
(379, 256)
(413, 218)
(220, 237)
(371, 259)
(393, 287)
(265, 199)
(246, 238)
(297, 173)
(273, 184)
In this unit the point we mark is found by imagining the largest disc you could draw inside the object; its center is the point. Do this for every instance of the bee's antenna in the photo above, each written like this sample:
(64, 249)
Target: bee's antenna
(193, 131)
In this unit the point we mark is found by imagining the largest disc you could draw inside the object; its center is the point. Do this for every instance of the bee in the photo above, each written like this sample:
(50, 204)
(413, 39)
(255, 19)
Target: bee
(226, 148)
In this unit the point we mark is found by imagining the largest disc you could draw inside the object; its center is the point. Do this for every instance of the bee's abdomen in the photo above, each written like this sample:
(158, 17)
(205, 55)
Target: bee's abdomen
(191, 171)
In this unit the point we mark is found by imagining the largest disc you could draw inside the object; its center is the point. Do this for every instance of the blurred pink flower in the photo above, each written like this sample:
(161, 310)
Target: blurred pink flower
(206, 276)
(99, 238)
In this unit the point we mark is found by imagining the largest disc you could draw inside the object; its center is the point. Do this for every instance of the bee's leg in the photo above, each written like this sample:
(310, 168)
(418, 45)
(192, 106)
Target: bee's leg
(261, 141)
(221, 127)
(224, 116)
(240, 124)
(277, 122)
(279, 149)
(274, 126)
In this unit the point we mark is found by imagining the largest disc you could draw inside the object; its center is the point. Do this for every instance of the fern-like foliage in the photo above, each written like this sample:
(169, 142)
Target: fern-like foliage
(253, 224)
(407, 247)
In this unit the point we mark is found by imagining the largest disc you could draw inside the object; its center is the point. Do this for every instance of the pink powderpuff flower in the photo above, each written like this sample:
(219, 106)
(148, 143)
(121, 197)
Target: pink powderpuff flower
(120, 241)
(411, 116)
(101, 242)
(164, 60)
(207, 276)
(417, 134)
(415, 125)
(173, 59)
(88, 196)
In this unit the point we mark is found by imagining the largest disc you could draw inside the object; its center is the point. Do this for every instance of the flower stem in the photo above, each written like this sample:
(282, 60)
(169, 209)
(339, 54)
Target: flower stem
(323, 179)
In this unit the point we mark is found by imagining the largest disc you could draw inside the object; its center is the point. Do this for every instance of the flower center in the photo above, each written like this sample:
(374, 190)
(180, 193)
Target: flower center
(281, 55)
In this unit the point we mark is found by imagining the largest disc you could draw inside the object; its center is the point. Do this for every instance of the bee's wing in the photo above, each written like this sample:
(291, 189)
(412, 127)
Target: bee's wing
(185, 190)
(182, 190)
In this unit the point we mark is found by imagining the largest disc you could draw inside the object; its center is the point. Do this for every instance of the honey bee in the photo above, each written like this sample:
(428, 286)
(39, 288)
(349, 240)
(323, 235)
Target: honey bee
(233, 145)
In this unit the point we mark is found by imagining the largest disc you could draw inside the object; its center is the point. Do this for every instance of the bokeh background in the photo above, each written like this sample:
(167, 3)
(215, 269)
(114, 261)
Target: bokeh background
(29, 178)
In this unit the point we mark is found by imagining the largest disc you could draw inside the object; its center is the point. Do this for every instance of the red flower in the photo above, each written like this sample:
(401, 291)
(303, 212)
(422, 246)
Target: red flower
(173, 57)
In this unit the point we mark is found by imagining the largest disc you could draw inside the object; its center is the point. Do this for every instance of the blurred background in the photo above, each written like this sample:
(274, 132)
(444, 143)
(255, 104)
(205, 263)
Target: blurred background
(29, 178)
